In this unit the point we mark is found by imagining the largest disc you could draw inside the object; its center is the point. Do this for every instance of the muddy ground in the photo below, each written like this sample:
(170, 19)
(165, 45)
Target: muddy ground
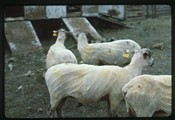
(26, 94)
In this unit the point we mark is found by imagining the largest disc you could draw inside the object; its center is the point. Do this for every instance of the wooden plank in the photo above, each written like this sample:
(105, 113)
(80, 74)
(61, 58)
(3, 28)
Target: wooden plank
(81, 24)
(21, 37)
(56, 11)
(117, 11)
(110, 19)
(108, 16)
(89, 10)
(35, 12)
(135, 14)
(134, 7)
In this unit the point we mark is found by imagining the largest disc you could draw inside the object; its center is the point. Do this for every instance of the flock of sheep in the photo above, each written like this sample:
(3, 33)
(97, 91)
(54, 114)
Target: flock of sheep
(110, 72)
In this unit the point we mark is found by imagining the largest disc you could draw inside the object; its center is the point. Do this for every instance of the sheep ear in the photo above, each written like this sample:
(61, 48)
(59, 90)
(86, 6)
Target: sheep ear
(126, 54)
(147, 53)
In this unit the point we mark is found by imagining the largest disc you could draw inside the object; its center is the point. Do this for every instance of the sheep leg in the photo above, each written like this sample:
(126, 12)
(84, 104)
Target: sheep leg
(106, 99)
(108, 108)
(113, 110)
(159, 113)
(131, 113)
(114, 105)
(59, 107)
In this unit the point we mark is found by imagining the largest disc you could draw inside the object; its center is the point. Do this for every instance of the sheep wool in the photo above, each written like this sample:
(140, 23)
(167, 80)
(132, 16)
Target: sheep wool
(58, 53)
(148, 95)
(109, 53)
(90, 83)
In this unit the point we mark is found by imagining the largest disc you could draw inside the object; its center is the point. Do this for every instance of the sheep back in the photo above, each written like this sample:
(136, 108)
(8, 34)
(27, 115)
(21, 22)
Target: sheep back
(146, 94)
(59, 54)
(86, 83)
(109, 53)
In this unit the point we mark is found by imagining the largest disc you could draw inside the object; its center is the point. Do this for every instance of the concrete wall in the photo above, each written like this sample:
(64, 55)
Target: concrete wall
(56, 11)
(34, 12)
(117, 11)
(89, 10)
(39, 12)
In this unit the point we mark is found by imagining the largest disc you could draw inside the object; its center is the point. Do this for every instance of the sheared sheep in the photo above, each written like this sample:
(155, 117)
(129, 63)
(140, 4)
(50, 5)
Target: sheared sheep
(90, 83)
(148, 95)
(58, 53)
(108, 53)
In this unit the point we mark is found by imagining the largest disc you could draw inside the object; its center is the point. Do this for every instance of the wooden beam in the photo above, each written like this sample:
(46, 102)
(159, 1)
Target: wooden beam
(81, 24)
(21, 37)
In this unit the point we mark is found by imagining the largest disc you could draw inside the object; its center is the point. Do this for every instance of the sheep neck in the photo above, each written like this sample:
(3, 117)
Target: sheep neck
(59, 44)
(60, 40)
(82, 43)
(134, 68)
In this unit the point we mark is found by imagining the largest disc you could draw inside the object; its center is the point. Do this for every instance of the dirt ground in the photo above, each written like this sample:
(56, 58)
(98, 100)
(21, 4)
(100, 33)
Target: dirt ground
(26, 94)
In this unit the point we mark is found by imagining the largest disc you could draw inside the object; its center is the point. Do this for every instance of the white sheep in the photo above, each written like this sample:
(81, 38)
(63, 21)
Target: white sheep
(108, 53)
(58, 53)
(90, 83)
(148, 95)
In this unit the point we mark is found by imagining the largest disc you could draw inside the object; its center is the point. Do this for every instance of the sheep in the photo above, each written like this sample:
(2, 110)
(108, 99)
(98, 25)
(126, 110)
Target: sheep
(91, 83)
(148, 95)
(108, 53)
(58, 53)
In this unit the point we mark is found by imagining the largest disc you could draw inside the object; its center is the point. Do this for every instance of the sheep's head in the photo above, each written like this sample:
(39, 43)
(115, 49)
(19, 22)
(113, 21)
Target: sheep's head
(61, 34)
(82, 35)
(56, 32)
(143, 57)
(140, 95)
